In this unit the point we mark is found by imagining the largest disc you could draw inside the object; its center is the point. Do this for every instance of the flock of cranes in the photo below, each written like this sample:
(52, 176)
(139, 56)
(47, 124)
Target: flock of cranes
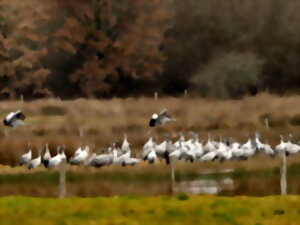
(191, 150)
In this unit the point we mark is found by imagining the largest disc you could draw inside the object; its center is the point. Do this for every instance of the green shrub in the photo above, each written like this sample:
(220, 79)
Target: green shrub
(182, 197)
(230, 75)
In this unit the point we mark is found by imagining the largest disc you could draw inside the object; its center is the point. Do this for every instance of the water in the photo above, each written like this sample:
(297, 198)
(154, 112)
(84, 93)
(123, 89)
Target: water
(205, 186)
(226, 183)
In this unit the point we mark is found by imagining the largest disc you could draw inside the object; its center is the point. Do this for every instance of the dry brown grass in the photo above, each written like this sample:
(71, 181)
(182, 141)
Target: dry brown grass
(105, 121)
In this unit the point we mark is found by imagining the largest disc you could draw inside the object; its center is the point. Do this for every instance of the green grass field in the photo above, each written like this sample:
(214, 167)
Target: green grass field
(179, 209)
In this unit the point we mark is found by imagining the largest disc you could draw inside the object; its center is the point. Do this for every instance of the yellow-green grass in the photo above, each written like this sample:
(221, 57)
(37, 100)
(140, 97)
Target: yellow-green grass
(180, 209)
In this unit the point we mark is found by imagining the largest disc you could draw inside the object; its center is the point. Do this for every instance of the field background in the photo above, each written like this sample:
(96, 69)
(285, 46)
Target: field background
(106, 121)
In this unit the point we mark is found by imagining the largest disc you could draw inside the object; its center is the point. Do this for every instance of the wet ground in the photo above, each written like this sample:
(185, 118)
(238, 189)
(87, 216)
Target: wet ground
(226, 182)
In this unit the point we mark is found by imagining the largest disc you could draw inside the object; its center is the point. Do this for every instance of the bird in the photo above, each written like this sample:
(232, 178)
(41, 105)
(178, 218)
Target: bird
(259, 146)
(35, 162)
(46, 156)
(78, 151)
(102, 159)
(25, 158)
(14, 119)
(161, 151)
(151, 157)
(147, 148)
(180, 140)
(291, 148)
(223, 152)
(268, 150)
(149, 144)
(130, 161)
(281, 146)
(125, 145)
(160, 119)
(248, 149)
(187, 151)
(248, 144)
(198, 150)
(80, 157)
(55, 160)
(124, 159)
(121, 157)
(209, 156)
(209, 146)
(192, 149)
(62, 153)
(237, 152)
(176, 154)
(149, 151)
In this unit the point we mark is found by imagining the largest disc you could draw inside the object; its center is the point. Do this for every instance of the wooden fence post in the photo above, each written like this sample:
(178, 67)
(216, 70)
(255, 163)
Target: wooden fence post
(267, 123)
(62, 180)
(185, 93)
(155, 95)
(81, 132)
(172, 175)
(283, 183)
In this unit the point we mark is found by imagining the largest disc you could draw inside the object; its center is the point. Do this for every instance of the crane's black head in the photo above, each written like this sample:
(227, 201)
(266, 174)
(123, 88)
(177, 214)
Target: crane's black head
(152, 123)
(6, 123)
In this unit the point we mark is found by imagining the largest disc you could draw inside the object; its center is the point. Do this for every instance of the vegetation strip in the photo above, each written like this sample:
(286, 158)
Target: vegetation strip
(179, 209)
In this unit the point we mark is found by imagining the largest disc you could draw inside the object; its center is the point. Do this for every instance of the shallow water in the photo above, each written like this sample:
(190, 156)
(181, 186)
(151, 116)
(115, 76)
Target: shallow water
(205, 186)
(223, 182)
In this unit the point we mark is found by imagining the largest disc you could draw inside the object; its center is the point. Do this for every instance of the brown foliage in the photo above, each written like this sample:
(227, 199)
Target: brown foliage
(87, 46)
(23, 72)
(105, 48)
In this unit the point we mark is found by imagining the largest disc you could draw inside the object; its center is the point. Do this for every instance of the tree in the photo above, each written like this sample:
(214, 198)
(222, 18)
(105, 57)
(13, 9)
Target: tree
(80, 48)
(123, 48)
(22, 46)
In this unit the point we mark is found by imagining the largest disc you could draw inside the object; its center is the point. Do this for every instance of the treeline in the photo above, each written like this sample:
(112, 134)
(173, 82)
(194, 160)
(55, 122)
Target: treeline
(105, 48)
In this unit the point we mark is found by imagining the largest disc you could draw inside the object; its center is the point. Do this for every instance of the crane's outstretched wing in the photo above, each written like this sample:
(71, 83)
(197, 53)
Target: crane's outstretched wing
(163, 113)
